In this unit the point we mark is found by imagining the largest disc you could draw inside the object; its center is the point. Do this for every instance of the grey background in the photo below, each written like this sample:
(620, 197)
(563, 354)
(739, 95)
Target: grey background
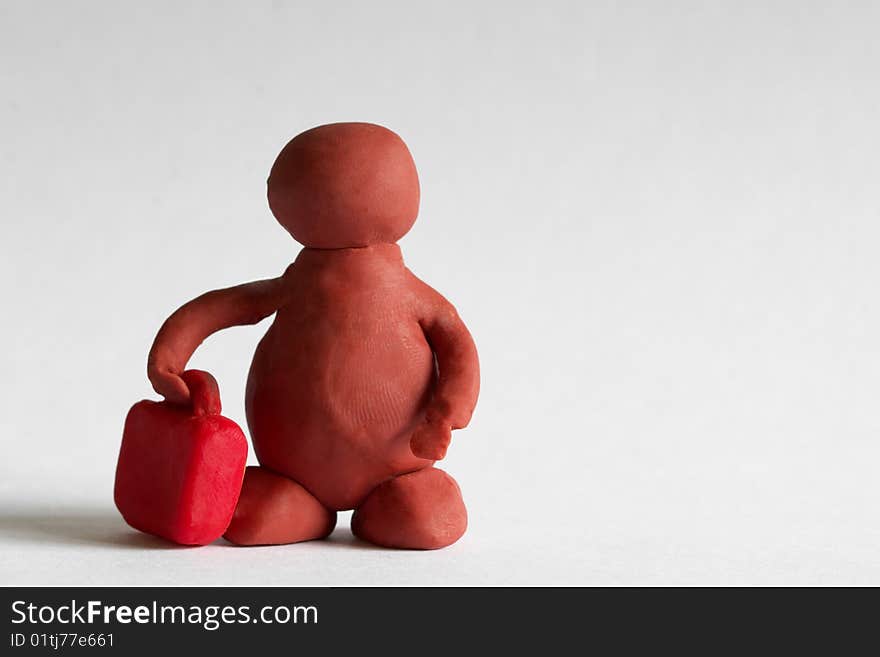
(660, 221)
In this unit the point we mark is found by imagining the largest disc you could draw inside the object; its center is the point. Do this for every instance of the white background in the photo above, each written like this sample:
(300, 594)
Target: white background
(660, 221)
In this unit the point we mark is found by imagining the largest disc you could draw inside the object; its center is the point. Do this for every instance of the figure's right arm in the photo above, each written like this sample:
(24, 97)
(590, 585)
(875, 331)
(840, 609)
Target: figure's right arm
(458, 368)
(190, 324)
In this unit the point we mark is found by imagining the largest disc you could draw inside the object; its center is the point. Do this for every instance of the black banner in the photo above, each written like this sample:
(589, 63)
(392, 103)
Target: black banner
(134, 621)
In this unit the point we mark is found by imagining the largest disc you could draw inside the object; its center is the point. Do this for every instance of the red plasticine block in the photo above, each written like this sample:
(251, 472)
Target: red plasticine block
(181, 467)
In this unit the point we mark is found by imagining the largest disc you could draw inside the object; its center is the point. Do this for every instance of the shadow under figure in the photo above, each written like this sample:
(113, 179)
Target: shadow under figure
(354, 390)
(96, 527)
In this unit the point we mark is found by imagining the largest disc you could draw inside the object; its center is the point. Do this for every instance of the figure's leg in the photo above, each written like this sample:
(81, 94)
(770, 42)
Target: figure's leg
(421, 510)
(273, 509)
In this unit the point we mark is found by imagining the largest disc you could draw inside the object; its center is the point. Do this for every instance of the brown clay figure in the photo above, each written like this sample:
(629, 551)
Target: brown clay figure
(354, 390)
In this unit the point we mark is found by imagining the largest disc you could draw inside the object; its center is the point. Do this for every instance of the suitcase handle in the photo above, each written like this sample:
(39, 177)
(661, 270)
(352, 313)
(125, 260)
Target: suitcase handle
(204, 393)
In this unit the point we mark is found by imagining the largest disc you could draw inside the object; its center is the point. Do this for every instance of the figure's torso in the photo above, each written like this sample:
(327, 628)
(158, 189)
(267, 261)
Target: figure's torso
(343, 374)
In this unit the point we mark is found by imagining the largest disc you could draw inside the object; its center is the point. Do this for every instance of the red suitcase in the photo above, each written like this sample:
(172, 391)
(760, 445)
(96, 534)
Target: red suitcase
(180, 469)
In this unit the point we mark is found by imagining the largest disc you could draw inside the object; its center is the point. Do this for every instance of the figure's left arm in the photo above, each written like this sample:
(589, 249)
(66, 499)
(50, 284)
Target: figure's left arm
(458, 383)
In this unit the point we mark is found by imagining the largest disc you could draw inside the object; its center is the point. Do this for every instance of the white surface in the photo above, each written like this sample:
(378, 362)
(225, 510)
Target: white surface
(660, 221)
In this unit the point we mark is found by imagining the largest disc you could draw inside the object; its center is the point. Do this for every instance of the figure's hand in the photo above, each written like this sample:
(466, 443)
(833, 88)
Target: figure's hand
(431, 439)
(166, 382)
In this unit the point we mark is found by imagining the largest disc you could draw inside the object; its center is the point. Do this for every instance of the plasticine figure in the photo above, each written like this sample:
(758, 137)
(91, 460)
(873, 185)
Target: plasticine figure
(356, 386)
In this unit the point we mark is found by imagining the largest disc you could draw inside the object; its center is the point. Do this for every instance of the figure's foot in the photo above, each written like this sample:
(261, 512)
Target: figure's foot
(422, 510)
(273, 510)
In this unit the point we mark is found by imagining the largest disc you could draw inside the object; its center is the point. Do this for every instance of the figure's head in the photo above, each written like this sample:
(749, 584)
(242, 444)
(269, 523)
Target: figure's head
(345, 185)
